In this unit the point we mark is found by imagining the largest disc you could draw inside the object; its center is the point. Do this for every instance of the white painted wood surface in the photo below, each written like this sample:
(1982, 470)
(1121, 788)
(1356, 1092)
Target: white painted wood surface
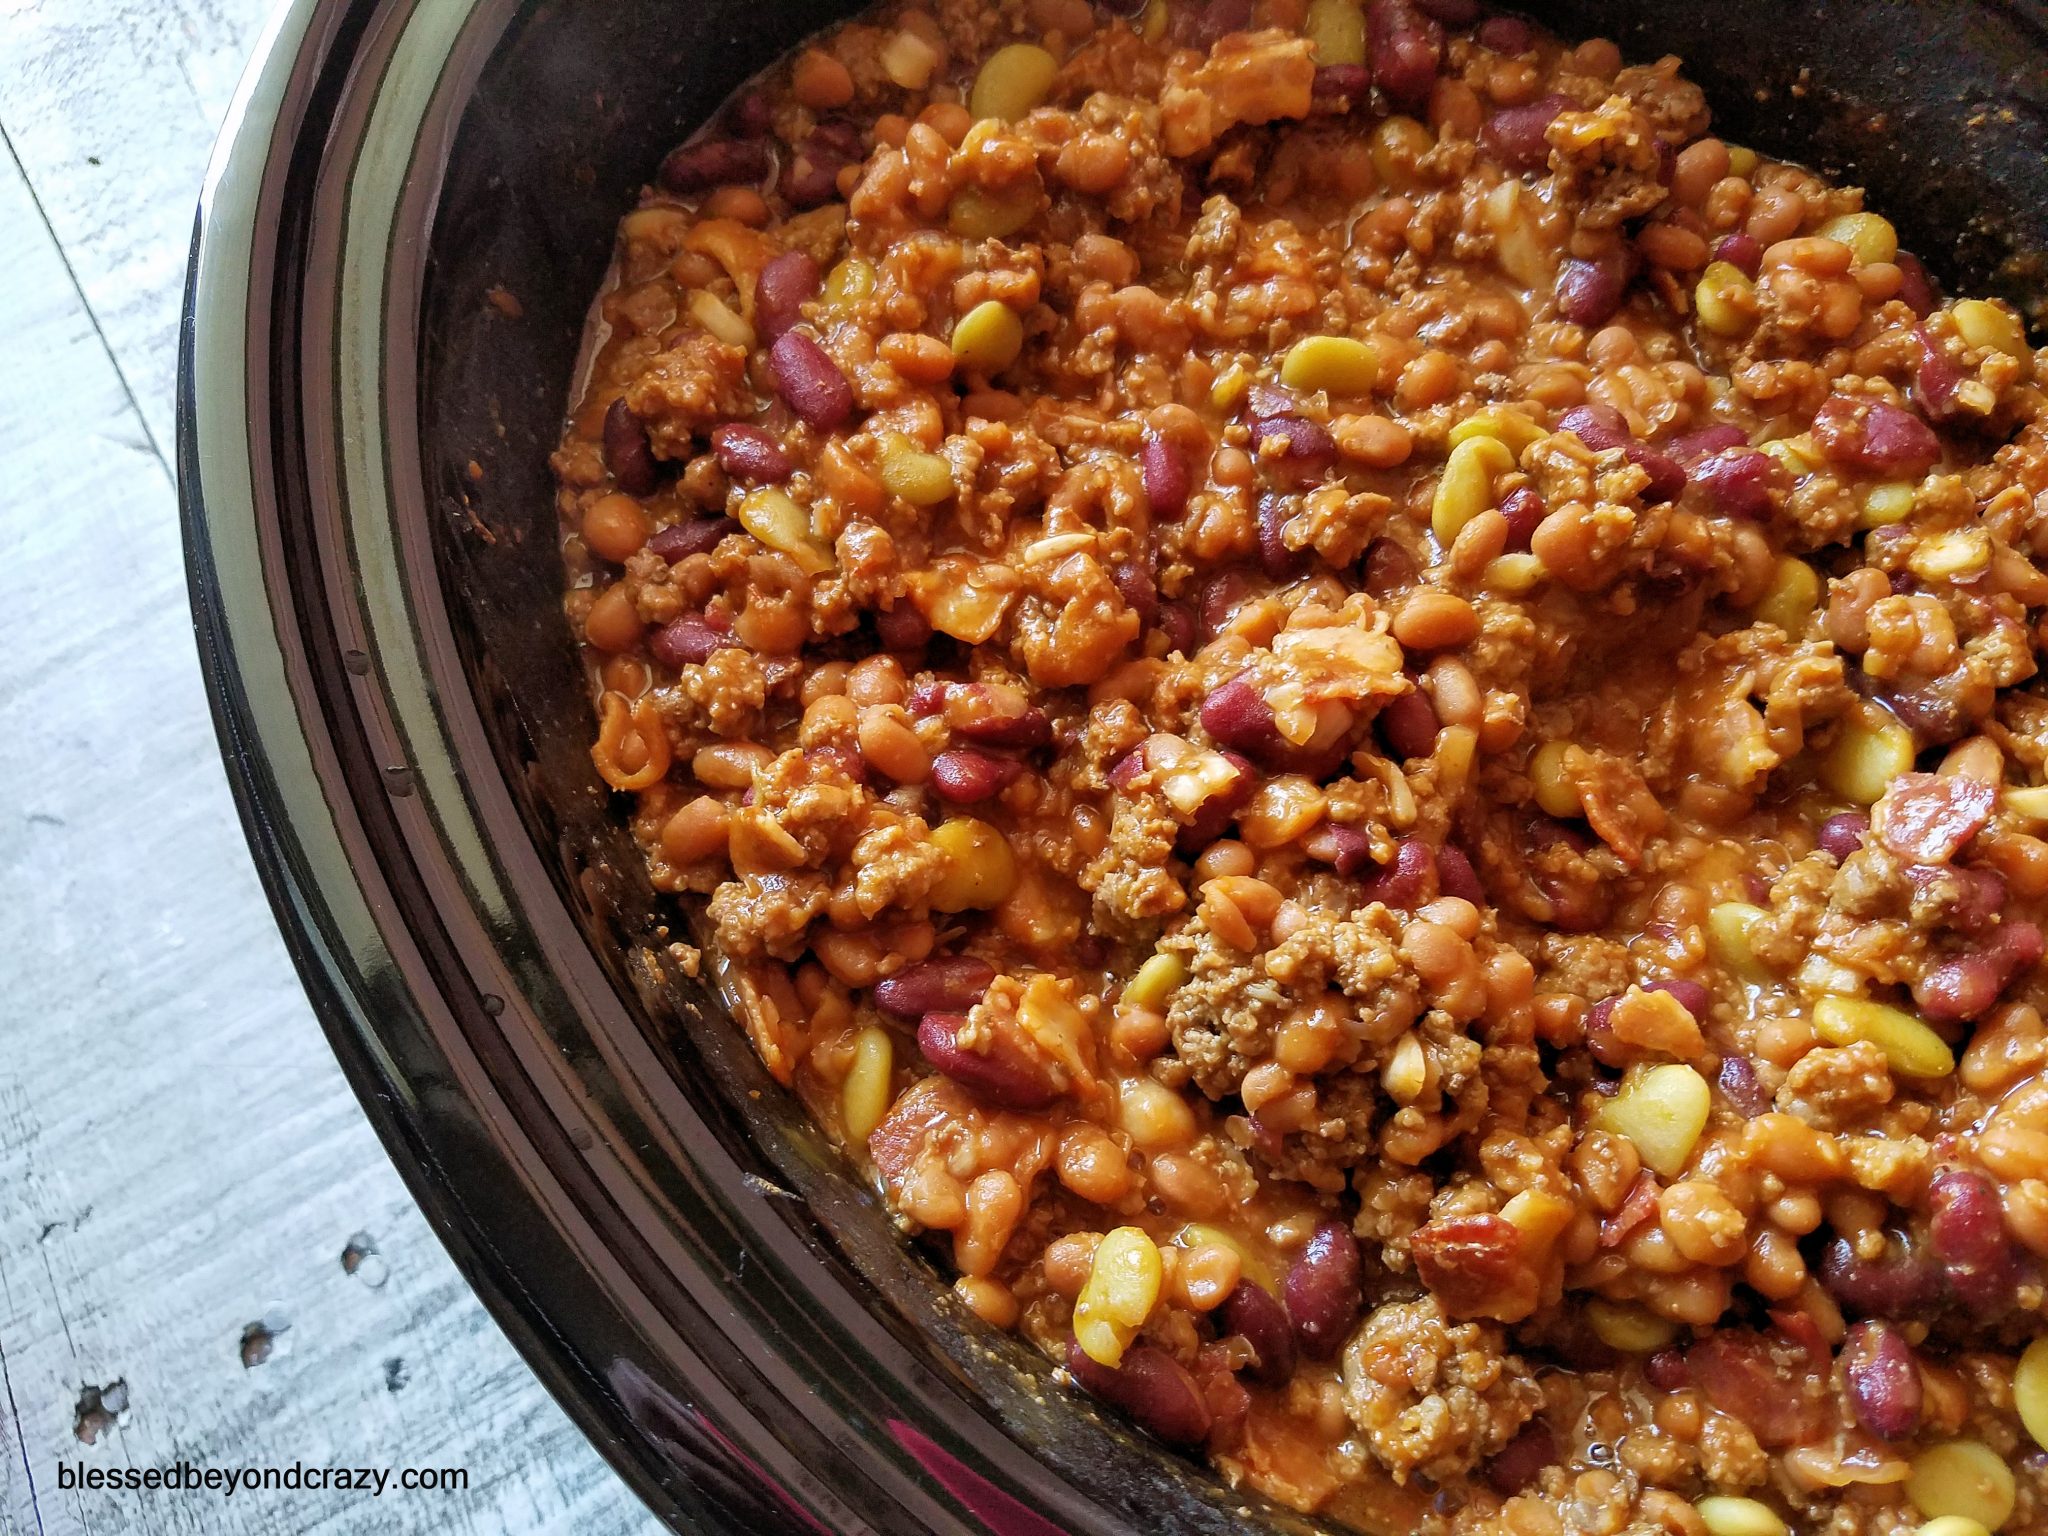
(179, 1155)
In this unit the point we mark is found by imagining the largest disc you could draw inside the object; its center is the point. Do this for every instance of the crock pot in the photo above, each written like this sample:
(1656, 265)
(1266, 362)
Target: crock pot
(411, 204)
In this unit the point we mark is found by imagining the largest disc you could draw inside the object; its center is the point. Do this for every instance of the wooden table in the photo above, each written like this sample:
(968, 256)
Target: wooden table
(204, 1254)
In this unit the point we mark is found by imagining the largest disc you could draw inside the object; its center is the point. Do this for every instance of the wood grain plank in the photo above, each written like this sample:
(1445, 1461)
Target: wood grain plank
(179, 1155)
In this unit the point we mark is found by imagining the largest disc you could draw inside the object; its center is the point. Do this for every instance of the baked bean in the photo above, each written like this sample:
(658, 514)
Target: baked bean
(1431, 620)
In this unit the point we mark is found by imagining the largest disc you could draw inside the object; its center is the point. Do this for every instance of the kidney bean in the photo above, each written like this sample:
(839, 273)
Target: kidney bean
(1740, 1086)
(1182, 629)
(1694, 998)
(1898, 1285)
(1388, 568)
(627, 453)
(1340, 83)
(1875, 435)
(1600, 1042)
(1222, 595)
(1406, 881)
(1408, 725)
(1154, 1389)
(1452, 13)
(964, 776)
(1003, 1075)
(1164, 470)
(1966, 1229)
(928, 697)
(810, 381)
(1238, 716)
(1964, 986)
(1882, 1380)
(1136, 586)
(1600, 427)
(1667, 479)
(1917, 290)
(1515, 136)
(1665, 1370)
(1742, 251)
(1275, 558)
(1736, 483)
(1590, 292)
(1344, 848)
(786, 284)
(1506, 34)
(1405, 48)
(1929, 818)
(902, 628)
(1521, 1461)
(977, 721)
(1524, 510)
(1324, 1290)
(1456, 877)
(810, 174)
(1706, 441)
(708, 163)
(748, 452)
(1842, 834)
(1932, 715)
(679, 541)
(1215, 814)
(751, 116)
(1253, 1313)
(943, 984)
(1125, 771)
(1306, 450)
(687, 642)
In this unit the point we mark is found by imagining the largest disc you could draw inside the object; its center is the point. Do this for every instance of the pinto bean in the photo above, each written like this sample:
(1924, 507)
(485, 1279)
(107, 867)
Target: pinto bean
(1324, 1290)
(708, 163)
(679, 541)
(1156, 1390)
(965, 776)
(1882, 1380)
(1255, 1315)
(810, 381)
(627, 452)
(942, 984)
(748, 452)
(1966, 1229)
(1003, 1075)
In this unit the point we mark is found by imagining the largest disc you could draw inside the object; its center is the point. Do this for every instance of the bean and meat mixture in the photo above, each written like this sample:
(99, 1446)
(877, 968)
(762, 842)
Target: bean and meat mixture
(1362, 713)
